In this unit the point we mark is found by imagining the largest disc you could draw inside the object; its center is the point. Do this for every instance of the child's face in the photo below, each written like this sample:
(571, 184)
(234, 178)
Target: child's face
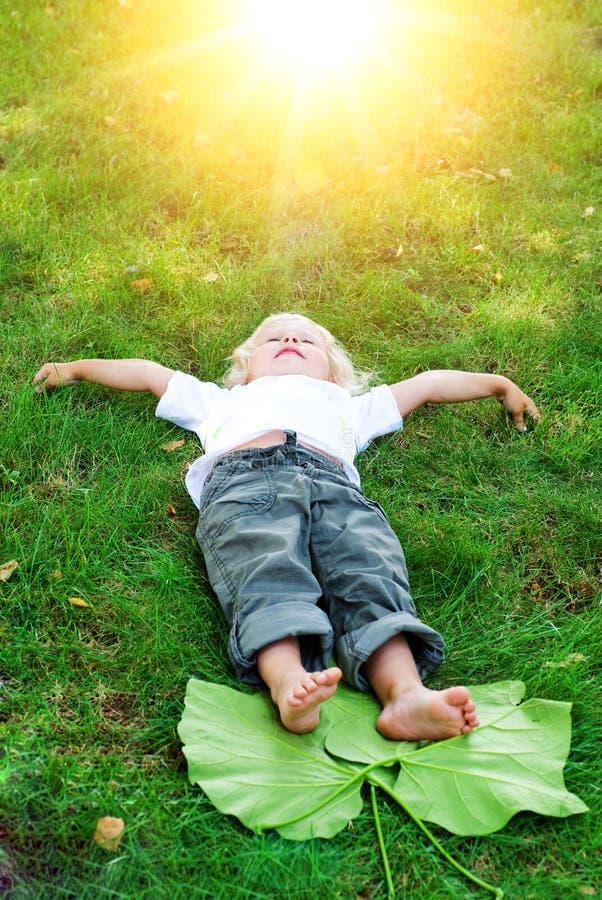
(291, 348)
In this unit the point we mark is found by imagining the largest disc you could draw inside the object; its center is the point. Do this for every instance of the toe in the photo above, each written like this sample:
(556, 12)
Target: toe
(299, 691)
(457, 696)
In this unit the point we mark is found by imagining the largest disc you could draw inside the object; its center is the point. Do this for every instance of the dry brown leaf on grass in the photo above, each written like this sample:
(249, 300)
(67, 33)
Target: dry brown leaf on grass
(140, 285)
(109, 831)
(7, 569)
(171, 511)
(173, 445)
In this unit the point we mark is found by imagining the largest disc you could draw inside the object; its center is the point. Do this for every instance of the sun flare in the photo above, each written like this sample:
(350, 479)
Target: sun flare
(316, 35)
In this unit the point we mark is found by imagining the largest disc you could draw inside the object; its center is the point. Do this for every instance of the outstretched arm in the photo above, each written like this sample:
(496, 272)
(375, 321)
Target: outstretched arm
(450, 386)
(123, 374)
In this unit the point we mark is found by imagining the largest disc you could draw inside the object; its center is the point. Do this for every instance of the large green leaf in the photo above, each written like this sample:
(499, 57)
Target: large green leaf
(250, 767)
(475, 783)
(309, 785)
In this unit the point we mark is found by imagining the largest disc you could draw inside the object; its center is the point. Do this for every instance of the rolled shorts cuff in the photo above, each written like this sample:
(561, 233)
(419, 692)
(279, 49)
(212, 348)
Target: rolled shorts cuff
(273, 623)
(354, 649)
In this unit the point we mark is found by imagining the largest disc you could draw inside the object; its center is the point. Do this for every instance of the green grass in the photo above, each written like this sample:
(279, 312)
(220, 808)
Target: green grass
(105, 179)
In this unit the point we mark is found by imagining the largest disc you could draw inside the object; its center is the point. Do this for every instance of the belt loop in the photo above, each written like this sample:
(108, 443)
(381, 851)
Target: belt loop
(291, 437)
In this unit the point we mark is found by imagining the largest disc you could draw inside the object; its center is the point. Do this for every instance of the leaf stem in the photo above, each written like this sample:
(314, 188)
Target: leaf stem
(381, 844)
(366, 773)
(497, 892)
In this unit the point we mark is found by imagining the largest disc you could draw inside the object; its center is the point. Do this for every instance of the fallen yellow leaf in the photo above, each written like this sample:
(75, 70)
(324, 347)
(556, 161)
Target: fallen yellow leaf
(211, 276)
(587, 212)
(7, 569)
(570, 659)
(173, 445)
(141, 285)
(77, 601)
(109, 831)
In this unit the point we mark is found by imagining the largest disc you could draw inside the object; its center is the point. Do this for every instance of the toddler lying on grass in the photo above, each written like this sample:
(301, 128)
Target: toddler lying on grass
(304, 565)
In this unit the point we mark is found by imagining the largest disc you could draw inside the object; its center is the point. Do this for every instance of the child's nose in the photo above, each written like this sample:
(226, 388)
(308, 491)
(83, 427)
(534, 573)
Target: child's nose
(292, 338)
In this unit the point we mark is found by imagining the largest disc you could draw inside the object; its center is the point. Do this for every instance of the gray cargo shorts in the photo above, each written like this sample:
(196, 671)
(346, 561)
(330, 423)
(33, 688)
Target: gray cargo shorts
(294, 549)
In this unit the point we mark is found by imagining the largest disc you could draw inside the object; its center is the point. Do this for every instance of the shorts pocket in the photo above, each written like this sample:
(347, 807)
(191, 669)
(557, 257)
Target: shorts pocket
(233, 495)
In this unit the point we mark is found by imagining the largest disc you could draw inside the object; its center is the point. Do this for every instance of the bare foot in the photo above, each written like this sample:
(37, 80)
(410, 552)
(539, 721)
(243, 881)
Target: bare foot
(299, 696)
(421, 714)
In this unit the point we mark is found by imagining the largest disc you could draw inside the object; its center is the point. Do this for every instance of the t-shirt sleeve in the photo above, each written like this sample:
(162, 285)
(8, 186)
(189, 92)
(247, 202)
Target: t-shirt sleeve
(188, 402)
(377, 414)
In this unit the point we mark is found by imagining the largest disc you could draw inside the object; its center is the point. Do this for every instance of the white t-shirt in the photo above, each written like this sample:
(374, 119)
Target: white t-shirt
(321, 413)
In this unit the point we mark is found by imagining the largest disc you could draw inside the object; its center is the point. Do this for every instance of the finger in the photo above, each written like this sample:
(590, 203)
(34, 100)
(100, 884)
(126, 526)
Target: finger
(43, 378)
(518, 417)
(533, 412)
(39, 382)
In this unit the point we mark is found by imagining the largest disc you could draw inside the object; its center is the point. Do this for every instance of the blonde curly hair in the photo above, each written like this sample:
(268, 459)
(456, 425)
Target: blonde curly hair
(342, 370)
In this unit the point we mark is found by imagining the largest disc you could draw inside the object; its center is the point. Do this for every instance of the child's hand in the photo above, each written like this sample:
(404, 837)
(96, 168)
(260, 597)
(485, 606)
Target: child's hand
(122, 374)
(517, 403)
(53, 375)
